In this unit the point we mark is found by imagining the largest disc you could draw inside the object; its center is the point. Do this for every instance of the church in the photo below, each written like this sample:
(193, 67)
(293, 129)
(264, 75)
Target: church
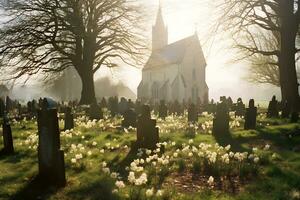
(174, 71)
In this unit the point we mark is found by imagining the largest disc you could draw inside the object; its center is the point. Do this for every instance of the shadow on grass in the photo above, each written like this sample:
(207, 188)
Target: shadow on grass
(121, 166)
(35, 189)
(227, 139)
(99, 189)
(15, 157)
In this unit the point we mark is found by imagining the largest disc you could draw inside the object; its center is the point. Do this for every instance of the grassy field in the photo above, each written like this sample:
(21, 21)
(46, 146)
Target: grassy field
(97, 155)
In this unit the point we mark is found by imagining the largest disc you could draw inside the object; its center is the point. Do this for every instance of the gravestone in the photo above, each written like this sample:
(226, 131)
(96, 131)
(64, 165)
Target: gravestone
(2, 108)
(95, 112)
(178, 109)
(69, 119)
(221, 120)
(286, 110)
(147, 132)
(129, 118)
(229, 103)
(273, 108)
(192, 113)
(295, 117)
(51, 158)
(113, 105)
(9, 104)
(123, 106)
(7, 137)
(130, 104)
(250, 116)
(240, 108)
(163, 110)
(138, 107)
(103, 103)
(20, 111)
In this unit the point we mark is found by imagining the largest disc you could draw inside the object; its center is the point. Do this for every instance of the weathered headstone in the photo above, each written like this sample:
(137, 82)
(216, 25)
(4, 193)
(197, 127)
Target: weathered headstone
(192, 113)
(240, 108)
(273, 108)
(7, 137)
(129, 118)
(9, 104)
(286, 110)
(138, 107)
(250, 116)
(95, 112)
(113, 105)
(147, 132)
(163, 110)
(221, 120)
(2, 108)
(103, 103)
(295, 117)
(123, 106)
(51, 158)
(69, 119)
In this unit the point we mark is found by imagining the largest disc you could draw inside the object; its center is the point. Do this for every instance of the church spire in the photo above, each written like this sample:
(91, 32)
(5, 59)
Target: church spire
(159, 31)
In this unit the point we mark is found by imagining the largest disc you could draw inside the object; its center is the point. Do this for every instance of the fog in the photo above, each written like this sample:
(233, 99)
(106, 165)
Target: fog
(183, 19)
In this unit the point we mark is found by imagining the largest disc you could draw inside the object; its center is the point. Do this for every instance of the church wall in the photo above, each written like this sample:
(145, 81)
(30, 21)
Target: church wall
(193, 70)
(159, 75)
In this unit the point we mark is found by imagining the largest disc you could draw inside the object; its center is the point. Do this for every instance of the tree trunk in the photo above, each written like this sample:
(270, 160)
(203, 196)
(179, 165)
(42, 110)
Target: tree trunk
(288, 73)
(88, 95)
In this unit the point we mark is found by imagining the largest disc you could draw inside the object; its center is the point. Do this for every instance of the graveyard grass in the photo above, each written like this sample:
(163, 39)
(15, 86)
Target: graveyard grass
(278, 173)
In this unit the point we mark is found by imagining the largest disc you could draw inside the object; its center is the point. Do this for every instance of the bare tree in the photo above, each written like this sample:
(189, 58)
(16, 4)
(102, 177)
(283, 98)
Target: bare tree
(254, 22)
(48, 36)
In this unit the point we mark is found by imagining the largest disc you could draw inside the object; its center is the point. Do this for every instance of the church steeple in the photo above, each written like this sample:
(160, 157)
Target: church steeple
(159, 32)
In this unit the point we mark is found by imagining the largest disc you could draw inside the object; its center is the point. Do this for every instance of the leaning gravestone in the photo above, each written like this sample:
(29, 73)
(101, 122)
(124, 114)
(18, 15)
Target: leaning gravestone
(192, 114)
(129, 118)
(221, 120)
(273, 108)
(51, 158)
(250, 116)
(69, 119)
(163, 110)
(147, 132)
(7, 137)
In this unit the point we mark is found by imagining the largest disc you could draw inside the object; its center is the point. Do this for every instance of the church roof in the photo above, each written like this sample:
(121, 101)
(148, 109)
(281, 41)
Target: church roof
(171, 54)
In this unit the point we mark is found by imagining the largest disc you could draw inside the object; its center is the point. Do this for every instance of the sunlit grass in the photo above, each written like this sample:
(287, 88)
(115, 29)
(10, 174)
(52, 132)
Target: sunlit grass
(87, 147)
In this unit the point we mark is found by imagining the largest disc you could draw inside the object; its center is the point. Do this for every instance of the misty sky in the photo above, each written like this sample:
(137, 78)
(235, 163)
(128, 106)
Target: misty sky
(183, 18)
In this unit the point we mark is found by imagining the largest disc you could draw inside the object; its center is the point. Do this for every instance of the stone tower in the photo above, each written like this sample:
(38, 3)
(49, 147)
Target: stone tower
(159, 32)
